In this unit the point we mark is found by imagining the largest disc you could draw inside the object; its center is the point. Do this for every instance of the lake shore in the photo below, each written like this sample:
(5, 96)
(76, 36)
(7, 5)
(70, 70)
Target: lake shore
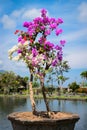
(61, 97)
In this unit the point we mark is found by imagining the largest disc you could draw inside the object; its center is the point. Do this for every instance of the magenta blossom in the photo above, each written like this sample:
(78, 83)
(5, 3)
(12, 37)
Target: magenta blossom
(46, 21)
(26, 24)
(19, 51)
(60, 55)
(58, 31)
(53, 25)
(57, 47)
(48, 45)
(34, 52)
(42, 28)
(47, 32)
(31, 32)
(59, 21)
(42, 40)
(43, 11)
(54, 62)
(62, 42)
(20, 39)
(38, 20)
(52, 20)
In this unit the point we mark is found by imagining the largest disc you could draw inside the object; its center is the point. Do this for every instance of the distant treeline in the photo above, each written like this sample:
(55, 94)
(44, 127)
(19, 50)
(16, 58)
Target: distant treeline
(10, 82)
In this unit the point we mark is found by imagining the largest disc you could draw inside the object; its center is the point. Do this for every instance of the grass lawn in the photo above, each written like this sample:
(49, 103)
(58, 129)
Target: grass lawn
(54, 96)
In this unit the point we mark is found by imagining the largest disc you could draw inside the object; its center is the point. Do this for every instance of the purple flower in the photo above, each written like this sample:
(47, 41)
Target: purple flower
(42, 40)
(60, 58)
(59, 21)
(57, 47)
(48, 45)
(20, 39)
(42, 28)
(31, 32)
(58, 31)
(53, 25)
(52, 20)
(59, 55)
(37, 20)
(47, 32)
(43, 11)
(26, 24)
(34, 52)
(19, 51)
(62, 42)
(46, 21)
(54, 62)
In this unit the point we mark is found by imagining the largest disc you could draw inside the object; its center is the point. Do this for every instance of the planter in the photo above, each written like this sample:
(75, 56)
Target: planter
(28, 121)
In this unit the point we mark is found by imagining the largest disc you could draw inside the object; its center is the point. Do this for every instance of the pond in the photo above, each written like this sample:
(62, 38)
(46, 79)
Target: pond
(14, 104)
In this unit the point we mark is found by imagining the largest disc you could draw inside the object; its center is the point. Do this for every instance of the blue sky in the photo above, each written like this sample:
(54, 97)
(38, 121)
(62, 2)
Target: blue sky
(74, 13)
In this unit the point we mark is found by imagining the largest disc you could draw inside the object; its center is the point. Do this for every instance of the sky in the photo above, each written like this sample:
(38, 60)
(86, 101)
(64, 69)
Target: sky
(74, 14)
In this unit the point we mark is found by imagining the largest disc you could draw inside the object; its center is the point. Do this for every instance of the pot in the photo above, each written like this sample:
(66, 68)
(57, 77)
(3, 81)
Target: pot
(28, 121)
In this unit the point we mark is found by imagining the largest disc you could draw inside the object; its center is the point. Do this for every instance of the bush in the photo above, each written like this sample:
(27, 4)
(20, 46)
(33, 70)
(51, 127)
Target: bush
(74, 86)
(36, 84)
(82, 90)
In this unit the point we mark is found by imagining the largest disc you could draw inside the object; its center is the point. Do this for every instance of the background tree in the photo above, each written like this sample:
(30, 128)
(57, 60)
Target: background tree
(84, 76)
(74, 86)
(60, 78)
(10, 82)
(7, 81)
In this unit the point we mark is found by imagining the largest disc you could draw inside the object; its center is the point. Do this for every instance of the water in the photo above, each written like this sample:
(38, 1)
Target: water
(12, 104)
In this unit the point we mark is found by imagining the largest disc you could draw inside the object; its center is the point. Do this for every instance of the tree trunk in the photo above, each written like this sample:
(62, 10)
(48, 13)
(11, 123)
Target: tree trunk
(32, 95)
(44, 96)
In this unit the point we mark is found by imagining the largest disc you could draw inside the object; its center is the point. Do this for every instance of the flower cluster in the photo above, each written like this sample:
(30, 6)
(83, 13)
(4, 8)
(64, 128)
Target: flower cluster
(34, 48)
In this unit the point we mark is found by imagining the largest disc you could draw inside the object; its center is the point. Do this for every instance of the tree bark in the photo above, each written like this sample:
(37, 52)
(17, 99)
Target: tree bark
(32, 95)
(44, 96)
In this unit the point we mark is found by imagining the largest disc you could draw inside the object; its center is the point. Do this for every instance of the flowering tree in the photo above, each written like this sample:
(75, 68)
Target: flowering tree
(39, 54)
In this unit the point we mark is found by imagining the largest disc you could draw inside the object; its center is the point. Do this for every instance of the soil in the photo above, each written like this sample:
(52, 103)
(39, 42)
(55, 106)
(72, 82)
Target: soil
(41, 116)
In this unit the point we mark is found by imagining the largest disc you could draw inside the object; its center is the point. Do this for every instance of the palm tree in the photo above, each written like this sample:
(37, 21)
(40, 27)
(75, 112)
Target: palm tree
(7, 80)
(63, 67)
(84, 76)
(61, 79)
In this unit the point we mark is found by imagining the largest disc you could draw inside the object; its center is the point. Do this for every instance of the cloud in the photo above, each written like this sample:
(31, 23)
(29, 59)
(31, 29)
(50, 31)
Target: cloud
(17, 13)
(72, 36)
(9, 65)
(0, 62)
(30, 14)
(8, 22)
(77, 57)
(75, 35)
(26, 13)
(83, 12)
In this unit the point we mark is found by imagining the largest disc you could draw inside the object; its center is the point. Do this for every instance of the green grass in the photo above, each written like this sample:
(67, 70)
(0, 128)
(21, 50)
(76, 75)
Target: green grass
(61, 97)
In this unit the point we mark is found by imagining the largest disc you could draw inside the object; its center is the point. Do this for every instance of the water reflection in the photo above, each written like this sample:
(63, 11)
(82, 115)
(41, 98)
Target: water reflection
(8, 104)
(12, 104)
